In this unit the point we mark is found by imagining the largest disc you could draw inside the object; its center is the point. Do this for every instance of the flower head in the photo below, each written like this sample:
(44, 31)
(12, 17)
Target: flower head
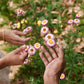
(78, 15)
(39, 22)
(26, 48)
(55, 31)
(44, 22)
(50, 42)
(31, 50)
(44, 30)
(26, 61)
(49, 36)
(70, 21)
(18, 25)
(14, 26)
(62, 76)
(37, 45)
(61, 43)
(22, 21)
(19, 12)
(28, 29)
(76, 21)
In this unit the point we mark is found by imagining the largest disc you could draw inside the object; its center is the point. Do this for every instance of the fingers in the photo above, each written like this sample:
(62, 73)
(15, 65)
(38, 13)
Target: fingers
(47, 54)
(60, 52)
(17, 43)
(19, 50)
(43, 59)
(52, 52)
(22, 40)
(19, 32)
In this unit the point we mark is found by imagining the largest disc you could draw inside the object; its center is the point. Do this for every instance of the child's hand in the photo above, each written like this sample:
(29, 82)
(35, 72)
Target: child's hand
(54, 64)
(16, 57)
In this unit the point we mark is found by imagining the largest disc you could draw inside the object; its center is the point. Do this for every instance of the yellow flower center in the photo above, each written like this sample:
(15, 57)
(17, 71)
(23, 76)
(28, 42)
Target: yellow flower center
(62, 76)
(31, 50)
(44, 21)
(37, 45)
(25, 60)
(44, 29)
(49, 37)
(28, 28)
(50, 42)
(76, 20)
(26, 47)
(70, 20)
(19, 10)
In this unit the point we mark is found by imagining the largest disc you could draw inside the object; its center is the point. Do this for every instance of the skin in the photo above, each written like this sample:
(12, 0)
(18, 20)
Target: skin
(54, 64)
(12, 36)
(17, 56)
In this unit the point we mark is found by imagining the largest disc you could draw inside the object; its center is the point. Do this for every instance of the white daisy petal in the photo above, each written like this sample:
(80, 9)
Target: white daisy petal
(44, 30)
(31, 51)
(70, 21)
(28, 29)
(26, 48)
(50, 42)
(76, 21)
(37, 45)
(44, 22)
(78, 15)
(62, 76)
(49, 36)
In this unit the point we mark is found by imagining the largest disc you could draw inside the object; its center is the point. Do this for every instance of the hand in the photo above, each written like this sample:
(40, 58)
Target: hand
(12, 37)
(54, 64)
(16, 57)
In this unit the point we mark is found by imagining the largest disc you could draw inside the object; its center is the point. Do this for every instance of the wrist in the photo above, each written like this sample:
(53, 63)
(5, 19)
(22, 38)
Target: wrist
(3, 63)
(51, 79)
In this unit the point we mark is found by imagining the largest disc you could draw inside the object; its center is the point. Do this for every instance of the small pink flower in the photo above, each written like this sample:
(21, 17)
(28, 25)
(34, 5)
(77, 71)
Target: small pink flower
(37, 45)
(66, 79)
(76, 21)
(26, 61)
(14, 26)
(62, 76)
(70, 21)
(44, 22)
(26, 48)
(20, 12)
(50, 42)
(31, 50)
(78, 15)
(49, 36)
(44, 30)
(28, 29)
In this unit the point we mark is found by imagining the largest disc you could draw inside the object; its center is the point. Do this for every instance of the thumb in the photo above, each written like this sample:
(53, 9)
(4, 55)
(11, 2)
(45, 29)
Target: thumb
(19, 49)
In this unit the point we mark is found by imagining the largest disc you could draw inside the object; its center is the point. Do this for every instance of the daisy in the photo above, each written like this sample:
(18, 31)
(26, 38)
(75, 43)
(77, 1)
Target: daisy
(51, 42)
(70, 21)
(19, 12)
(44, 22)
(62, 76)
(31, 50)
(24, 31)
(76, 21)
(26, 48)
(37, 45)
(61, 43)
(78, 15)
(44, 30)
(28, 29)
(49, 36)
(26, 61)
(14, 26)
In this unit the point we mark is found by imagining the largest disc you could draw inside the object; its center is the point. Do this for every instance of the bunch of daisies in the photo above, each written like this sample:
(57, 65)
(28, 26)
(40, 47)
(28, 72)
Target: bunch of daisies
(75, 21)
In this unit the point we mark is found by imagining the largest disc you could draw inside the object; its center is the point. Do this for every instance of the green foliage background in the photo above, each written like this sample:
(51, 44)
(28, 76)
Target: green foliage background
(33, 72)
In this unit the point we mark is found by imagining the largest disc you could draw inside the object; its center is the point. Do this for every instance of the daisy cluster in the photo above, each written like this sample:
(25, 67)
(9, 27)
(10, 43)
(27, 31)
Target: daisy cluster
(75, 21)
(49, 38)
